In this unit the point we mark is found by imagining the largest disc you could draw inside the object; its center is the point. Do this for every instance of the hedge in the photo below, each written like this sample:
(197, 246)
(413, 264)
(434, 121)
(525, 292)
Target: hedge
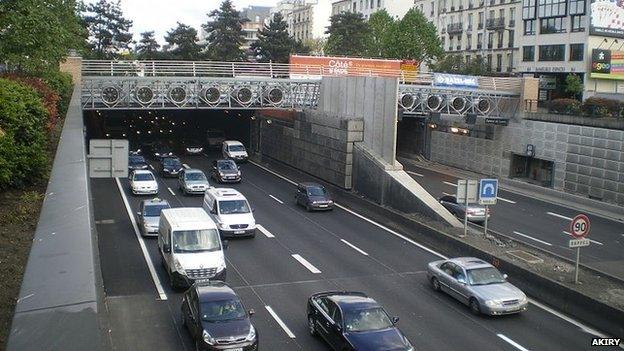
(50, 97)
(61, 82)
(591, 107)
(23, 117)
(565, 106)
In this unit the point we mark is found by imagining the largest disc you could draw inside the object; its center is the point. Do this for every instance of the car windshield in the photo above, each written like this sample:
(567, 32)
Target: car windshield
(143, 177)
(172, 162)
(226, 166)
(366, 319)
(316, 191)
(215, 134)
(223, 310)
(154, 210)
(484, 276)
(195, 176)
(236, 148)
(196, 240)
(233, 207)
(136, 159)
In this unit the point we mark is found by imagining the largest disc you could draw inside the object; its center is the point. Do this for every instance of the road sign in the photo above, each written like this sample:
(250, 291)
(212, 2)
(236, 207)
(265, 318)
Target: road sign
(579, 242)
(579, 227)
(471, 190)
(488, 191)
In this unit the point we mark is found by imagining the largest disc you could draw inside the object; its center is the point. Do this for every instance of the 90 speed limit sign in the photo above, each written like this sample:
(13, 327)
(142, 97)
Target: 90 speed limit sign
(579, 227)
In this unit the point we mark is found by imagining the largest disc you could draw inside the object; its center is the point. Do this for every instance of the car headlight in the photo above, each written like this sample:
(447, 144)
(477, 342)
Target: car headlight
(492, 303)
(222, 225)
(523, 299)
(221, 266)
(178, 266)
(252, 333)
(157, 154)
(221, 174)
(208, 339)
(239, 173)
(166, 170)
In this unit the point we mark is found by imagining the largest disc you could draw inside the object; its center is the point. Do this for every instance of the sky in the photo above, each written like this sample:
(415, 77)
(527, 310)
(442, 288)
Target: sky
(162, 15)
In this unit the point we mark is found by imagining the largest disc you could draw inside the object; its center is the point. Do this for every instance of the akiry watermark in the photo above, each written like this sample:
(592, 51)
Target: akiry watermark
(605, 342)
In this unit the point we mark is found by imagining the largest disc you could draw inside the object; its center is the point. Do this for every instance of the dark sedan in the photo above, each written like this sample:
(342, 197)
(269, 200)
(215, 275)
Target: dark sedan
(161, 150)
(225, 171)
(192, 147)
(476, 213)
(216, 319)
(136, 162)
(170, 167)
(354, 321)
(313, 196)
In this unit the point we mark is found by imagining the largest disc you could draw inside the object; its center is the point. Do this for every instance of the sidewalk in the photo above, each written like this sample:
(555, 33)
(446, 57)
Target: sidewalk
(573, 201)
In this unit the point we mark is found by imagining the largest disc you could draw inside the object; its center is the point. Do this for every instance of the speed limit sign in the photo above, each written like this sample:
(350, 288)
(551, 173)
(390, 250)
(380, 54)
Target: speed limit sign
(579, 227)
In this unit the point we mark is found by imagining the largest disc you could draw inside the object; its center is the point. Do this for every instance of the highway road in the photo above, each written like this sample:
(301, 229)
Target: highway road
(340, 251)
(540, 223)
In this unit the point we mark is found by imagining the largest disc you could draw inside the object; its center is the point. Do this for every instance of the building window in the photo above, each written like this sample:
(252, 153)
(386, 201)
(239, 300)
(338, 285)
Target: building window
(552, 52)
(490, 40)
(578, 23)
(551, 8)
(528, 9)
(479, 40)
(576, 52)
(512, 16)
(511, 38)
(500, 40)
(378, 3)
(528, 53)
(480, 20)
(470, 20)
(499, 62)
(553, 25)
(489, 62)
(354, 7)
(432, 8)
(529, 27)
(577, 7)
(468, 41)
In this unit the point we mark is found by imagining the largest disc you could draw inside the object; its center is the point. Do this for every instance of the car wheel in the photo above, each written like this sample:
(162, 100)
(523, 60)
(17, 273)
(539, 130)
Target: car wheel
(474, 306)
(435, 284)
(311, 327)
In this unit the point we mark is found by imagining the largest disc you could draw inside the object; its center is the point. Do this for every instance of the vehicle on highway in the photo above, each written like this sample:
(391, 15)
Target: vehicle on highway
(149, 215)
(231, 211)
(161, 149)
(354, 321)
(225, 171)
(136, 162)
(143, 182)
(477, 284)
(190, 247)
(192, 181)
(170, 166)
(313, 196)
(214, 138)
(216, 318)
(192, 146)
(234, 150)
(476, 213)
(134, 148)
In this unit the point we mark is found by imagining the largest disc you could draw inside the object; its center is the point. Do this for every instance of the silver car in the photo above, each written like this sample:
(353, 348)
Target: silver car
(476, 213)
(477, 284)
(192, 181)
(149, 215)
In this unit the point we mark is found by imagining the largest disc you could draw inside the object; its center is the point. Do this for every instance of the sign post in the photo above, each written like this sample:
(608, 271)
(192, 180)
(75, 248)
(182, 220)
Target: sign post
(466, 194)
(488, 193)
(579, 229)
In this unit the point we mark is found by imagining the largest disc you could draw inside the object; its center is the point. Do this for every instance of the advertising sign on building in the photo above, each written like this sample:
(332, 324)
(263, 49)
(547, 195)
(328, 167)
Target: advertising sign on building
(607, 64)
(455, 80)
(607, 18)
(303, 67)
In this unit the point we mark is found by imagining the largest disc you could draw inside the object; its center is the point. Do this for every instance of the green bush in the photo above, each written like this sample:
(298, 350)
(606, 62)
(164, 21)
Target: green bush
(602, 107)
(61, 82)
(565, 106)
(23, 156)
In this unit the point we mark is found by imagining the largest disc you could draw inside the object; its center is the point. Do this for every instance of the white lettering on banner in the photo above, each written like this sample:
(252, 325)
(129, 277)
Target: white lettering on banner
(455, 80)
(605, 342)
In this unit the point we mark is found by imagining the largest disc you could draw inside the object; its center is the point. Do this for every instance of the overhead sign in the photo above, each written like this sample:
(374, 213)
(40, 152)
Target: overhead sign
(488, 191)
(472, 191)
(455, 80)
(606, 18)
(304, 67)
(607, 64)
(497, 121)
(579, 226)
(578, 243)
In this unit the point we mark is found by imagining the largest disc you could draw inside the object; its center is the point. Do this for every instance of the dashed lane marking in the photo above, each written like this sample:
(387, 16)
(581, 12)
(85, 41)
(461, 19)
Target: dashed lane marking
(306, 264)
(513, 343)
(559, 216)
(276, 199)
(415, 174)
(532, 238)
(354, 247)
(280, 322)
(264, 231)
(171, 191)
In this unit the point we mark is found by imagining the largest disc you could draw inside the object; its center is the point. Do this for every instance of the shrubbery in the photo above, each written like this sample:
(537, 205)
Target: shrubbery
(565, 106)
(61, 82)
(49, 97)
(591, 107)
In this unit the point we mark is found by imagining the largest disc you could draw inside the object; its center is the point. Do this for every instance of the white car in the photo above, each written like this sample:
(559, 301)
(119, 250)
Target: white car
(231, 212)
(234, 150)
(143, 182)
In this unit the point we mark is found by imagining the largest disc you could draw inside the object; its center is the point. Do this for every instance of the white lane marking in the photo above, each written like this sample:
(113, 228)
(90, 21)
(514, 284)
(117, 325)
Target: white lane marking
(264, 231)
(451, 184)
(354, 247)
(280, 322)
(152, 167)
(447, 194)
(171, 191)
(513, 343)
(186, 166)
(532, 238)
(306, 264)
(416, 174)
(570, 320)
(148, 260)
(593, 241)
(506, 200)
(558, 215)
(276, 199)
(24, 298)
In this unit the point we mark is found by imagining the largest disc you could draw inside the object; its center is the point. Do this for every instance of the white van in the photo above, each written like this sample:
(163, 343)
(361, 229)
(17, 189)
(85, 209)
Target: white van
(190, 246)
(231, 211)
(234, 150)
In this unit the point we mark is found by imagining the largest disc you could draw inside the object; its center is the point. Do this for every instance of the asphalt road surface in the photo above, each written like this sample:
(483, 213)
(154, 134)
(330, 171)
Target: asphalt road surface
(341, 251)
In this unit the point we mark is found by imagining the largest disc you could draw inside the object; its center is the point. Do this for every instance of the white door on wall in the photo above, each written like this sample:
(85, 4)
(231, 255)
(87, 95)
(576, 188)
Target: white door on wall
(108, 158)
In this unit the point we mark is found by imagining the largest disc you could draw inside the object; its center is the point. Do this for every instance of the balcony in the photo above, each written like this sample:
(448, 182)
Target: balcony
(454, 28)
(458, 47)
(495, 23)
(469, 28)
(450, 48)
(499, 69)
(479, 46)
(500, 45)
(468, 48)
(480, 26)
(470, 6)
(512, 23)
(443, 10)
(461, 7)
(452, 8)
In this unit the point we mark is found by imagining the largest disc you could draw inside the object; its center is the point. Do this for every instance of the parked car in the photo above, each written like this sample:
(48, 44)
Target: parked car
(476, 213)
(192, 146)
(149, 215)
(143, 182)
(170, 167)
(354, 321)
(313, 196)
(216, 318)
(234, 150)
(214, 138)
(477, 284)
(161, 150)
(225, 171)
(231, 211)
(192, 181)
(136, 161)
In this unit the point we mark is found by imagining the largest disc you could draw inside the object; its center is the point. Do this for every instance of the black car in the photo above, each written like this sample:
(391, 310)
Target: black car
(136, 162)
(191, 147)
(313, 196)
(216, 318)
(161, 150)
(354, 321)
(225, 171)
(170, 167)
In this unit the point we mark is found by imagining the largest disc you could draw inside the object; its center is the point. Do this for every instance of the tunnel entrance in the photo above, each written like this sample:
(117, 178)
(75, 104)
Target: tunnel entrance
(413, 137)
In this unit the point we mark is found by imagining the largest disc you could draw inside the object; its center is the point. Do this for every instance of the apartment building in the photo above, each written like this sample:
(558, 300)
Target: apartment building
(309, 20)
(341, 6)
(256, 17)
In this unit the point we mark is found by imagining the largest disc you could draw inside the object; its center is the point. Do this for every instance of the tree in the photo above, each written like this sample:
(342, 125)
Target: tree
(36, 34)
(349, 35)
(183, 43)
(274, 44)
(225, 34)
(415, 38)
(450, 64)
(381, 25)
(108, 29)
(148, 46)
(573, 85)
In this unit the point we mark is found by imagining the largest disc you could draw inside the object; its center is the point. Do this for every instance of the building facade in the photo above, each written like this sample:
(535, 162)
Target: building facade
(256, 17)
(309, 20)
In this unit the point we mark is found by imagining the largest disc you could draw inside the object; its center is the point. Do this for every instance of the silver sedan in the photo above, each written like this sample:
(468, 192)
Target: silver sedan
(477, 284)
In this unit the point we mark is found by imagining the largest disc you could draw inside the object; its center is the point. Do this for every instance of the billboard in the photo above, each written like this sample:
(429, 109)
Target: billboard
(607, 64)
(319, 66)
(607, 18)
